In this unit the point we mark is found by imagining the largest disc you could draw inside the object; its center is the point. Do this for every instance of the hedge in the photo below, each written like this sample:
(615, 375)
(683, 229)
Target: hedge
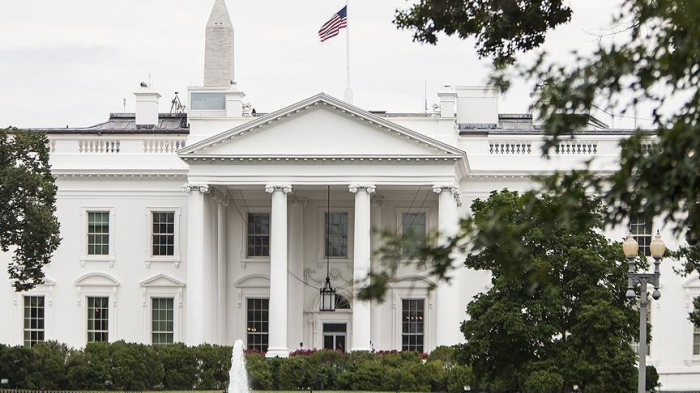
(136, 367)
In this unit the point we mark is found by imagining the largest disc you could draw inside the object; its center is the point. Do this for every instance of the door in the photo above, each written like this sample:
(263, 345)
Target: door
(334, 335)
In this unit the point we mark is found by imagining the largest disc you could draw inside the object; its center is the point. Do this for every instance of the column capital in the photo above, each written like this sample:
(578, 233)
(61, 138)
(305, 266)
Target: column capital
(286, 188)
(452, 188)
(369, 188)
(438, 188)
(202, 188)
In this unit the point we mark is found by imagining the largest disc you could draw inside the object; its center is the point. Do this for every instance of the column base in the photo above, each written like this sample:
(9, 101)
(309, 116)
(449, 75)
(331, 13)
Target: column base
(277, 353)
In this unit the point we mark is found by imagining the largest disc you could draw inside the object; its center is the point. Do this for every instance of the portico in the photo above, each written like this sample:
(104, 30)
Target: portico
(269, 164)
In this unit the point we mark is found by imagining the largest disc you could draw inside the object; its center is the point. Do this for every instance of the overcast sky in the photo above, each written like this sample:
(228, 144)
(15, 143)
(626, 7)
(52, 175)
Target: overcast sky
(71, 62)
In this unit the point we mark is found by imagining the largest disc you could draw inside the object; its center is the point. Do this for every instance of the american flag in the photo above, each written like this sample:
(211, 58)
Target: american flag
(333, 26)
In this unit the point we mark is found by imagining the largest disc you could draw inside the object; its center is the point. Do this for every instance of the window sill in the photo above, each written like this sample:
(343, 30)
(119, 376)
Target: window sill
(169, 259)
(245, 261)
(97, 258)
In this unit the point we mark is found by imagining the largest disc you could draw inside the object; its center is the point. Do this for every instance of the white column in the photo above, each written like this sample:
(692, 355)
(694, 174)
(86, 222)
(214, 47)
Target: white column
(277, 341)
(361, 311)
(296, 265)
(376, 239)
(449, 313)
(222, 272)
(196, 300)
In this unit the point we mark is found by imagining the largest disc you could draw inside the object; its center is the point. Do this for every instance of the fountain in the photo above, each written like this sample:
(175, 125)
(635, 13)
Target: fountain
(238, 376)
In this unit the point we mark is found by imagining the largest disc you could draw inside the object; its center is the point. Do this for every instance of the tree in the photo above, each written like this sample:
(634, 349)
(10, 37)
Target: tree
(654, 60)
(546, 338)
(502, 27)
(28, 226)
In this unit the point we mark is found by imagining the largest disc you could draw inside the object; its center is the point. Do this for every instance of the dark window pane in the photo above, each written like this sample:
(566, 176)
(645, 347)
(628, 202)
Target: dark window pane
(258, 234)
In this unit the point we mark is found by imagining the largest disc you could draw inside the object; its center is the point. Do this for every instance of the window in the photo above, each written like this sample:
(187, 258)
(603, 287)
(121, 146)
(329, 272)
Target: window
(208, 101)
(336, 235)
(163, 233)
(162, 329)
(341, 303)
(334, 336)
(412, 323)
(640, 227)
(413, 232)
(98, 233)
(98, 319)
(696, 340)
(258, 324)
(33, 320)
(258, 234)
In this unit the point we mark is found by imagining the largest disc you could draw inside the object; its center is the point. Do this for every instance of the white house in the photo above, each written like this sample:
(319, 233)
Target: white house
(214, 225)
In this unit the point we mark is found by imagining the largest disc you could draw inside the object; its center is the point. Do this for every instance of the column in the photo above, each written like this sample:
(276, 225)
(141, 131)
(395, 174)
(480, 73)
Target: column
(277, 341)
(296, 266)
(449, 314)
(361, 312)
(376, 331)
(196, 300)
(222, 272)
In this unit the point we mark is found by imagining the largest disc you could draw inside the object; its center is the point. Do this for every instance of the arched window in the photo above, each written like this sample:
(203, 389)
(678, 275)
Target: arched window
(341, 303)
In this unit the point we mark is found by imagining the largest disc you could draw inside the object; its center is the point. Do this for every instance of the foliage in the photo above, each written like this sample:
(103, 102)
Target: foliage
(653, 62)
(133, 367)
(27, 205)
(501, 27)
(652, 382)
(576, 329)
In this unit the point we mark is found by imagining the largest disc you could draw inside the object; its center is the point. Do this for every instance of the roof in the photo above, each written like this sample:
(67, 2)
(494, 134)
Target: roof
(323, 99)
(125, 123)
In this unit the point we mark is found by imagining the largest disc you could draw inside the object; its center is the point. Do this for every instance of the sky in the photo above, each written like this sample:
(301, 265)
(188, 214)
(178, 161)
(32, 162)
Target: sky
(72, 62)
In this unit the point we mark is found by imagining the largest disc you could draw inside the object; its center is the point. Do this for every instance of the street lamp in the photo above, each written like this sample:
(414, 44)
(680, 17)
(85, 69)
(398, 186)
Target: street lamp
(631, 248)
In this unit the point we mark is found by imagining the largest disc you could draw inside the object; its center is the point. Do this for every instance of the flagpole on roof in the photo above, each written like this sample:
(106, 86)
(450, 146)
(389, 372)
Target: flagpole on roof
(348, 89)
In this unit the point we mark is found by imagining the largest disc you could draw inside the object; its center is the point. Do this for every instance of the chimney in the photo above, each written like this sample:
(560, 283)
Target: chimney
(448, 101)
(477, 105)
(146, 108)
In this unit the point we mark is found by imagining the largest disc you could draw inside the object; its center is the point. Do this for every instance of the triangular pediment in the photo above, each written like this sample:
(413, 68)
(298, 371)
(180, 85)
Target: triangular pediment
(321, 125)
(162, 280)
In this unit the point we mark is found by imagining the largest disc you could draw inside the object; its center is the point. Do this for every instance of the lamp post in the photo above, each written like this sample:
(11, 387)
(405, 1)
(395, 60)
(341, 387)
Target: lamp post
(631, 248)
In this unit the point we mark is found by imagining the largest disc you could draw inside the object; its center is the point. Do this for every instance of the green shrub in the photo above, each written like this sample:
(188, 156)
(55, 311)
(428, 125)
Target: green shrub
(47, 366)
(134, 367)
(652, 379)
(458, 377)
(544, 382)
(180, 366)
(259, 372)
(213, 365)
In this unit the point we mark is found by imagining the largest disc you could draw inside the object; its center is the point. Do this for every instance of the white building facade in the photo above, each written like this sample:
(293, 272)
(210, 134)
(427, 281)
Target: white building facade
(214, 225)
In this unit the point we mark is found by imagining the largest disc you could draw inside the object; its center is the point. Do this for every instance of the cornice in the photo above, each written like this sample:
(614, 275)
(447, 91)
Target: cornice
(120, 175)
(323, 159)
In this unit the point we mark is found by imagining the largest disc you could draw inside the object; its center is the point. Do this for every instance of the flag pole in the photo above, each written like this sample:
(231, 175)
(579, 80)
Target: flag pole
(348, 89)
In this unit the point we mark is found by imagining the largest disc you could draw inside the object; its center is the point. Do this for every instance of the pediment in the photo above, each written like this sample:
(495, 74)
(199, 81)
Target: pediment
(321, 126)
(254, 281)
(96, 280)
(162, 280)
(692, 283)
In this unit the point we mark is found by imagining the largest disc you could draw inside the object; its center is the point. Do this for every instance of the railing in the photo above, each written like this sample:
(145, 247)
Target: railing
(576, 148)
(108, 146)
(115, 146)
(151, 146)
(510, 147)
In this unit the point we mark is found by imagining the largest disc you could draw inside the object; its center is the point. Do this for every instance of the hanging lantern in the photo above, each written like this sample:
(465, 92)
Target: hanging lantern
(327, 292)
(327, 297)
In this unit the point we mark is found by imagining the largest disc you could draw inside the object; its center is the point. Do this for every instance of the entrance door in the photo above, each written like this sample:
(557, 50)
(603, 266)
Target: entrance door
(334, 335)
